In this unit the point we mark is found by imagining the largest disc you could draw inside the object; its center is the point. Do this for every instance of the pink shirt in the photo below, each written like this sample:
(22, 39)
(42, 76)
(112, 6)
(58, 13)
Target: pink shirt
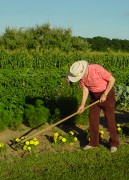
(97, 78)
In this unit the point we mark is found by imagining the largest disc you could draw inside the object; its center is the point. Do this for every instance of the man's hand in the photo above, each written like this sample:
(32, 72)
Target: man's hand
(102, 98)
(80, 109)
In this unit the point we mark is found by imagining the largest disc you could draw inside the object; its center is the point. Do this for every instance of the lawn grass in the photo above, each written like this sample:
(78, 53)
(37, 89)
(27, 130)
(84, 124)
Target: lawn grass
(96, 164)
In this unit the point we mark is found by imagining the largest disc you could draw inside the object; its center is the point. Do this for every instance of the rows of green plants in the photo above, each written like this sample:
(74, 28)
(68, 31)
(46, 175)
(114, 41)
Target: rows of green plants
(33, 85)
(55, 58)
(117, 63)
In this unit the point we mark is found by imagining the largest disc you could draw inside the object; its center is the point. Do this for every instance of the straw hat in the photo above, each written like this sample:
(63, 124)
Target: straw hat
(77, 70)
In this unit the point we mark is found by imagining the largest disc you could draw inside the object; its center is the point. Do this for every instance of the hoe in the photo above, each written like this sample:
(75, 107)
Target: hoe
(14, 144)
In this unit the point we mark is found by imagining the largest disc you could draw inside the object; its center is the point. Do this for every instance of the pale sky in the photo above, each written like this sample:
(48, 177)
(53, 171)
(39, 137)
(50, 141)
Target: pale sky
(86, 18)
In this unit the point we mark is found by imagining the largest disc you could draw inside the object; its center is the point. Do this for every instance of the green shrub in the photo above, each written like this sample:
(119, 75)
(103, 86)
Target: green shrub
(37, 114)
(16, 119)
(5, 117)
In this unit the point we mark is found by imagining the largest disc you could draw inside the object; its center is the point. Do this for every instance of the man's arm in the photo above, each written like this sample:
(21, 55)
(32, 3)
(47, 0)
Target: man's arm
(84, 99)
(107, 90)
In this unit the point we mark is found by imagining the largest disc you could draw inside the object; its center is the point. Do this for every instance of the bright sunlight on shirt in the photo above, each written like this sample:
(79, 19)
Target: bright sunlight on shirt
(97, 78)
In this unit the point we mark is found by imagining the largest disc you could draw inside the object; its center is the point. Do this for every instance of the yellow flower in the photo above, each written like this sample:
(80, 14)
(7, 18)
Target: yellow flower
(56, 134)
(23, 137)
(31, 142)
(25, 147)
(63, 139)
(60, 137)
(27, 142)
(36, 143)
(71, 132)
(118, 125)
(17, 140)
(1, 145)
(75, 138)
(34, 139)
(101, 132)
(29, 148)
(119, 129)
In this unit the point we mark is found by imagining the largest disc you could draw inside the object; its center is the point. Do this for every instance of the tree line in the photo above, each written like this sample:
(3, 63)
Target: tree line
(104, 44)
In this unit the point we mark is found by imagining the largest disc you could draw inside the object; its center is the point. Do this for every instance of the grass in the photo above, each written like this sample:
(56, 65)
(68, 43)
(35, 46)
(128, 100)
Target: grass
(96, 164)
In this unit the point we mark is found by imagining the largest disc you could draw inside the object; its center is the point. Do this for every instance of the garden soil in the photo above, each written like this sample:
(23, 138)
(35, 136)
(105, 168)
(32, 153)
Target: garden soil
(45, 139)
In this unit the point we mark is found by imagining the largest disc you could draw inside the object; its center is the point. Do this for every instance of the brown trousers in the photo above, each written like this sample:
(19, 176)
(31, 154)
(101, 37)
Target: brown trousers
(108, 107)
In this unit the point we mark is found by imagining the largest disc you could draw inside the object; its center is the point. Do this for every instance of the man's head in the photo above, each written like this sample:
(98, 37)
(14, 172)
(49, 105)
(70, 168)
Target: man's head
(77, 70)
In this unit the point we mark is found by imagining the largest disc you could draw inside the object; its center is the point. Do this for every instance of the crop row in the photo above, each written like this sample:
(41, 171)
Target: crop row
(49, 59)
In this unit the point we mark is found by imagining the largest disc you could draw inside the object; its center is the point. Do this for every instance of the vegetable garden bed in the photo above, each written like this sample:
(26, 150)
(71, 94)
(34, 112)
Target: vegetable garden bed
(46, 140)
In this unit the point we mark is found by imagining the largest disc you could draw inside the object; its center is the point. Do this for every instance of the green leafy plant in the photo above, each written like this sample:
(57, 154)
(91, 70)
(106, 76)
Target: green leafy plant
(37, 114)
(4, 117)
(122, 97)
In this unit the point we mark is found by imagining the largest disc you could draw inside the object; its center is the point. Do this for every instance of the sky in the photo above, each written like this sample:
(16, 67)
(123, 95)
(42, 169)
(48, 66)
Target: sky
(86, 18)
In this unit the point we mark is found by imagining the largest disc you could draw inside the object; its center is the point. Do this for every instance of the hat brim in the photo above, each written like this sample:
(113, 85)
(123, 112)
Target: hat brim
(77, 78)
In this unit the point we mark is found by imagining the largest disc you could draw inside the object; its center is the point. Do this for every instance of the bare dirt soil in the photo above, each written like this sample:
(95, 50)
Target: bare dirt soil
(46, 139)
